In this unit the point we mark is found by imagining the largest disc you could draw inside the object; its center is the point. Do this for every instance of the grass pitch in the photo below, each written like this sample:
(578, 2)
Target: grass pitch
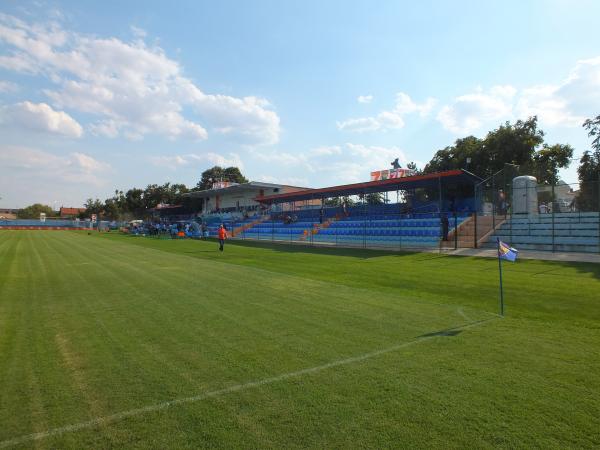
(112, 341)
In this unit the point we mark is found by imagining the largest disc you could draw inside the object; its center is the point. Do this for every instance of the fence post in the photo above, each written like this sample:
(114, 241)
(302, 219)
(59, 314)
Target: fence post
(553, 206)
(493, 204)
(475, 229)
(455, 231)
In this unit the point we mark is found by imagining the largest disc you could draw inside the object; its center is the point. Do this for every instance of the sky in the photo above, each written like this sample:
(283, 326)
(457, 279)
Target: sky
(99, 96)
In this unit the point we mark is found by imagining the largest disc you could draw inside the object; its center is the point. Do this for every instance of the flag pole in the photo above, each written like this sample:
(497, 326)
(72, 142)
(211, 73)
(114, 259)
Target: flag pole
(500, 272)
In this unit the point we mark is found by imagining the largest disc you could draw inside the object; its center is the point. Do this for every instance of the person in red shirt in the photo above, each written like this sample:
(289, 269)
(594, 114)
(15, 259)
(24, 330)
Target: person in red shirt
(222, 236)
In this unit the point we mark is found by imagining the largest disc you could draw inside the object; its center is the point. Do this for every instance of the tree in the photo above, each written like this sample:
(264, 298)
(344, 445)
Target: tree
(217, 173)
(375, 198)
(34, 211)
(134, 201)
(514, 144)
(457, 157)
(593, 127)
(589, 182)
(588, 198)
(93, 207)
(546, 162)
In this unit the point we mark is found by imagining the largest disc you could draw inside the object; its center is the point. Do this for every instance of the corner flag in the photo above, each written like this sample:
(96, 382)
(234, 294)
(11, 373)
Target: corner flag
(505, 251)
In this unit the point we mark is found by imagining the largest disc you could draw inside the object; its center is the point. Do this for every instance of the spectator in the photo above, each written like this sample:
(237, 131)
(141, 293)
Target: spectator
(445, 227)
(222, 236)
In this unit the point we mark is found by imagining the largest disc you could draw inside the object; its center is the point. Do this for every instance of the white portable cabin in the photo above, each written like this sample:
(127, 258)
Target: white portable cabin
(524, 195)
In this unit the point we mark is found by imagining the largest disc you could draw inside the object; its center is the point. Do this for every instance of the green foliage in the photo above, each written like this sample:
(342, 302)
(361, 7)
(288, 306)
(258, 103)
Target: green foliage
(93, 207)
(34, 211)
(593, 127)
(217, 173)
(136, 202)
(375, 198)
(455, 157)
(546, 162)
(589, 170)
(509, 144)
(339, 201)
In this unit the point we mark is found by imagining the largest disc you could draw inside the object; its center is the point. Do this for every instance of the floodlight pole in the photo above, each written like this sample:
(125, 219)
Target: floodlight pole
(500, 272)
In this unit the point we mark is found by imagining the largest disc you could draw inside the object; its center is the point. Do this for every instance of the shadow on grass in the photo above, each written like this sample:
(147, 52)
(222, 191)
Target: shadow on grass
(353, 252)
(455, 331)
(441, 333)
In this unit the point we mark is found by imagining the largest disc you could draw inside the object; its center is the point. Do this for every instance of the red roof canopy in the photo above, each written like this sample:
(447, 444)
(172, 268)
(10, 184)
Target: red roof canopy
(392, 184)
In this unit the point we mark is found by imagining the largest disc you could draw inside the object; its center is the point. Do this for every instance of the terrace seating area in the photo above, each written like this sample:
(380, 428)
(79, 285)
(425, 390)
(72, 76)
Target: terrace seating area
(561, 232)
(377, 226)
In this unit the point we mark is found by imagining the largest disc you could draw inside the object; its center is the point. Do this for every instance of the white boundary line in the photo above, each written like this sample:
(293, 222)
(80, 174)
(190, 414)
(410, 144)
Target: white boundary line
(238, 387)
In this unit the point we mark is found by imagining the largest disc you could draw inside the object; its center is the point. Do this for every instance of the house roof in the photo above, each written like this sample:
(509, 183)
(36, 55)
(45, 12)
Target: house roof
(69, 211)
(252, 185)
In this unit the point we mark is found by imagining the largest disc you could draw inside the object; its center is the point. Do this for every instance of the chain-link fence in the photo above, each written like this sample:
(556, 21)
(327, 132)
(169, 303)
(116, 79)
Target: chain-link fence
(510, 205)
(362, 225)
(559, 216)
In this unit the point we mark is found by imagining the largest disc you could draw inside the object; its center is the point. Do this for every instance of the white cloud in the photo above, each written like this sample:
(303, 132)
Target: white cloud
(291, 181)
(471, 111)
(279, 159)
(567, 103)
(87, 164)
(388, 120)
(134, 89)
(138, 32)
(364, 99)
(346, 163)
(40, 165)
(40, 117)
(196, 159)
(326, 150)
(7, 87)
(405, 105)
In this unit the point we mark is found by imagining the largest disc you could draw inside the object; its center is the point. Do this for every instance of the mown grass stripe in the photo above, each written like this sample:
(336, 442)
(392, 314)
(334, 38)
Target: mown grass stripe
(231, 389)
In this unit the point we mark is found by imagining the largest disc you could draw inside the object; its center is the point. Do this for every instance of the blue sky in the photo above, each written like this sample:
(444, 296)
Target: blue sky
(97, 96)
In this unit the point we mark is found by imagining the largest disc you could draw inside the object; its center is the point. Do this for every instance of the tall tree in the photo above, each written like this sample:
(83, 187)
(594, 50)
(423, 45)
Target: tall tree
(588, 198)
(512, 144)
(34, 211)
(466, 153)
(134, 201)
(593, 127)
(546, 162)
(93, 206)
(509, 144)
(217, 173)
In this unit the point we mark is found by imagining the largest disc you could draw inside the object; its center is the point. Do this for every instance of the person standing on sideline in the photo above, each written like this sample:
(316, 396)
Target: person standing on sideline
(445, 227)
(222, 236)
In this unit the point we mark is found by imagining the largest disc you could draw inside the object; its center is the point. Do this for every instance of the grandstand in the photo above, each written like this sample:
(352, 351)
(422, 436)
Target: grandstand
(346, 215)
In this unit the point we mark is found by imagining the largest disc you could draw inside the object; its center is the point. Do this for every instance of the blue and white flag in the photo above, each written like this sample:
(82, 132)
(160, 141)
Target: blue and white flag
(505, 251)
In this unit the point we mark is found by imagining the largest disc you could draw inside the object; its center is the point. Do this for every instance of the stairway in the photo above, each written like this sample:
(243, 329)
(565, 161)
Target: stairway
(317, 227)
(466, 231)
(238, 230)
